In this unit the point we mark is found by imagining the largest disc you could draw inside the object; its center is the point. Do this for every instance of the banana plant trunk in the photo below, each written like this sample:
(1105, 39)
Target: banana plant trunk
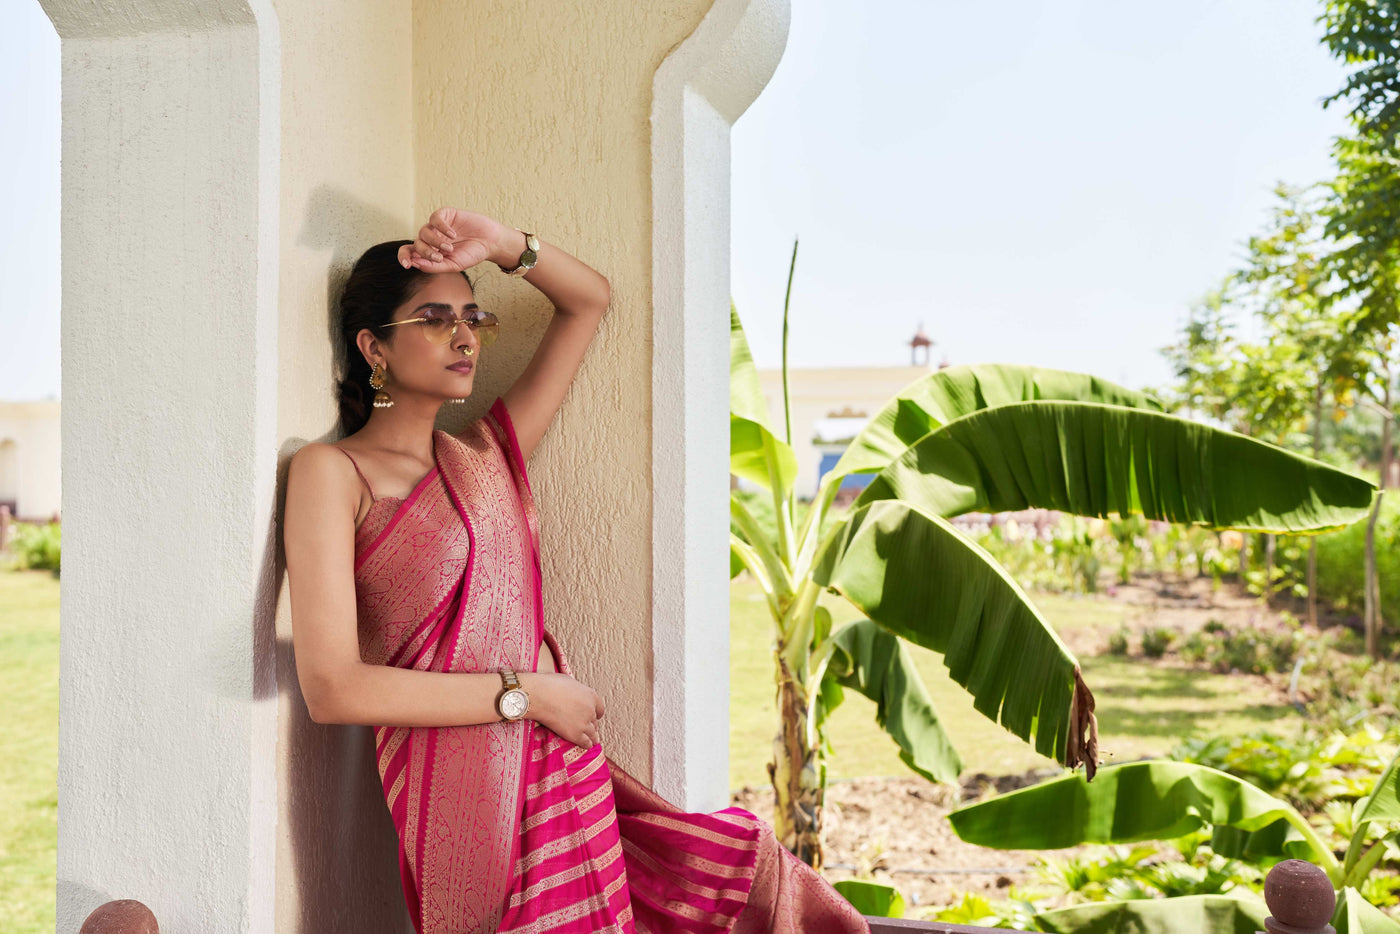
(1312, 540)
(1372, 595)
(795, 771)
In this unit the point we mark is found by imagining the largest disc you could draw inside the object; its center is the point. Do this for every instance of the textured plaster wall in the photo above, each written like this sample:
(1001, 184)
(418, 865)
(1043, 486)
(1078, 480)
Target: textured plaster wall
(347, 183)
(538, 114)
(165, 777)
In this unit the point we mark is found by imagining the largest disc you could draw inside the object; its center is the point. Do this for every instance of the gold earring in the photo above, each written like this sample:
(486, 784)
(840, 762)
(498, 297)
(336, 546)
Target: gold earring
(382, 399)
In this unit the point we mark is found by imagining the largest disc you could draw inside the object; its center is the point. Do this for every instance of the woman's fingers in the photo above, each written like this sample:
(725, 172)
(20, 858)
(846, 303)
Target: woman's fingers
(435, 237)
(442, 219)
(426, 250)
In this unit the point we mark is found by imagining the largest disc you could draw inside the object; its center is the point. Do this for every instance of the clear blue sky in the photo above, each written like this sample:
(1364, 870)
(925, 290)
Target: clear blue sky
(29, 202)
(1038, 182)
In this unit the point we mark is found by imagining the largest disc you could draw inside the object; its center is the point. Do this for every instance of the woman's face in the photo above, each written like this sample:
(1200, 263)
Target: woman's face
(418, 365)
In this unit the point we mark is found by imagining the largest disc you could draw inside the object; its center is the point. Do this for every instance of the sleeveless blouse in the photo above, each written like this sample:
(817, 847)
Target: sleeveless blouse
(505, 826)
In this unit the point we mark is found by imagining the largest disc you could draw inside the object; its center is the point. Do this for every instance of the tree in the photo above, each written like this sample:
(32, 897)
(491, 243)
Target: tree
(1364, 219)
(1307, 370)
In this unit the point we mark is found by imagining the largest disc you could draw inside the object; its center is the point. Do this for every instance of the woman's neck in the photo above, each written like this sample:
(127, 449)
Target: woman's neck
(406, 427)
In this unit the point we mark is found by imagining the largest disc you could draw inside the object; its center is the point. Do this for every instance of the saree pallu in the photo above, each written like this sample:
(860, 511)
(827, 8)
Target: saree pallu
(505, 826)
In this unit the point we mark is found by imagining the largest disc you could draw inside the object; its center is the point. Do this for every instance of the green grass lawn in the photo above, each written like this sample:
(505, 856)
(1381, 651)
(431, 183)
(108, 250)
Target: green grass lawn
(1142, 709)
(29, 737)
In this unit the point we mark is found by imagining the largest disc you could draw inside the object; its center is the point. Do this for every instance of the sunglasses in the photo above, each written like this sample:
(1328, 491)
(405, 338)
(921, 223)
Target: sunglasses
(440, 325)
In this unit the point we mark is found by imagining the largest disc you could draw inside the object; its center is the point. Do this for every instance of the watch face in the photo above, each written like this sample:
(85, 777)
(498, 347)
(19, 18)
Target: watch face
(513, 704)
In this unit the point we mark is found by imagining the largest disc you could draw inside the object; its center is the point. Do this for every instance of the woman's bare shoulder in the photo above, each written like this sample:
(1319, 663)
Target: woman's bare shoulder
(321, 470)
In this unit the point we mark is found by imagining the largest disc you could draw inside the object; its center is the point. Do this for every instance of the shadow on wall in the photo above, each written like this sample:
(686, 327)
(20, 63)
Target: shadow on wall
(339, 850)
(337, 854)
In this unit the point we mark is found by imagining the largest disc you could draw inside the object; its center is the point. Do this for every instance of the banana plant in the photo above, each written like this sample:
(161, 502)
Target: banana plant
(969, 438)
(1163, 799)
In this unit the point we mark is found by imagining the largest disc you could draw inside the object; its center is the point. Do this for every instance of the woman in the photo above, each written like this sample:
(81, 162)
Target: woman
(413, 563)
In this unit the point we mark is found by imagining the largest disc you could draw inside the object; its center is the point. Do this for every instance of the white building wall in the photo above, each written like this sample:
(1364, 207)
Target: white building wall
(29, 471)
(816, 392)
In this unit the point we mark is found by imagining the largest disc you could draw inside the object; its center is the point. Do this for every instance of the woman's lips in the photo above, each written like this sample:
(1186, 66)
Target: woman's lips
(461, 367)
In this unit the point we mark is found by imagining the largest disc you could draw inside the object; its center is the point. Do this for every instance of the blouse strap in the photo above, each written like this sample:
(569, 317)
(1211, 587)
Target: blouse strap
(358, 471)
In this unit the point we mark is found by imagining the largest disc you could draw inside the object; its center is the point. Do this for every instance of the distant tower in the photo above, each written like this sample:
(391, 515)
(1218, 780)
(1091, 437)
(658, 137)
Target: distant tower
(920, 340)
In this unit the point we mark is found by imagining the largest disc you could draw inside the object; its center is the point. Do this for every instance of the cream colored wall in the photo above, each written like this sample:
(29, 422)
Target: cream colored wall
(818, 391)
(37, 479)
(537, 114)
(347, 183)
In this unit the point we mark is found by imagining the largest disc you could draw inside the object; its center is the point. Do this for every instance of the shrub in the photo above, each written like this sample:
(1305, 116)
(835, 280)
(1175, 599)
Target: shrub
(1155, 642)
(1341, 566)
(36, 545)
(1118, 642)
(1311, 771)
(1248, 650)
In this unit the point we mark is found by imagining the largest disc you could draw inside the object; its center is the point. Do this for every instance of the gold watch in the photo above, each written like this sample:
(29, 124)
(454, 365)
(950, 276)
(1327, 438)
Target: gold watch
(527, 258)
(512, 702)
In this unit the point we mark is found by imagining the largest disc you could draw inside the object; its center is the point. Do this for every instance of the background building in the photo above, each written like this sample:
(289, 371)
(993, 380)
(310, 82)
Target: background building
(830, 405)
(30, 480)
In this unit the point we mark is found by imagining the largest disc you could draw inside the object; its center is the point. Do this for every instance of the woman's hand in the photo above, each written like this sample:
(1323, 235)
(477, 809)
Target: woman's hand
(568, 707)
(452, 240)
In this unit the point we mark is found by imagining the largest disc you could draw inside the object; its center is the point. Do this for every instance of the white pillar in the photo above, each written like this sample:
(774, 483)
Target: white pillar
(167, 695)
(701, 88)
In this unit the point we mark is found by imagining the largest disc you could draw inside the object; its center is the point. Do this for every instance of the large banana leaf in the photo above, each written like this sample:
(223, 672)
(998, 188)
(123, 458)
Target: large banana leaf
(948, 394)
(754, 452)
(1156, 800)
(1383, 803)
(1260, 846)
(872, 899)
(920, 578)
(1189, 914)
(1355, 915)
(1092, 459)
(873, 661)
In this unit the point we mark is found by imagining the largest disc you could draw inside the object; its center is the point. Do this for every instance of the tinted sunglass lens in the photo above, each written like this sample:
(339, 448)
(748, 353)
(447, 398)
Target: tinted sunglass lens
(438, 327)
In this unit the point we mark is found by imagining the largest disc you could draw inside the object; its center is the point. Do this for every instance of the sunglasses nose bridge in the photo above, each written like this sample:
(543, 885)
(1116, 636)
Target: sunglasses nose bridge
(462, 323)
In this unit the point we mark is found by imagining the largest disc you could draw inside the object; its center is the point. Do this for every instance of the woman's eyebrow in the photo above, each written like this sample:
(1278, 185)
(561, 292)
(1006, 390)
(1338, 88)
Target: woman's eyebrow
(444, 306)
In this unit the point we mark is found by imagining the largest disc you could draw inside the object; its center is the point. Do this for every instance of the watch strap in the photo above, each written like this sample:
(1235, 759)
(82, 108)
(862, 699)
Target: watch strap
(528, 257)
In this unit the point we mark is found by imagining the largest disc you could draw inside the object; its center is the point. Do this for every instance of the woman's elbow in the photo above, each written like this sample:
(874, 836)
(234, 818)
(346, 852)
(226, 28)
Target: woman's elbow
(325, 698)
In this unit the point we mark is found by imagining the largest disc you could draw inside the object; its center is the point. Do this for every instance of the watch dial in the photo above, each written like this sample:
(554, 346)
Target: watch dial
(513, 703)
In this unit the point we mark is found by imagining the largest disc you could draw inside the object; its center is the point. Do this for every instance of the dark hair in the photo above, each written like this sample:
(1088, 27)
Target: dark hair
(377, 285)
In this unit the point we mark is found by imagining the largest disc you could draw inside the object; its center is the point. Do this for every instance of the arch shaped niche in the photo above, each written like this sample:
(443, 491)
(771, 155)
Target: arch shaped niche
(701, 88)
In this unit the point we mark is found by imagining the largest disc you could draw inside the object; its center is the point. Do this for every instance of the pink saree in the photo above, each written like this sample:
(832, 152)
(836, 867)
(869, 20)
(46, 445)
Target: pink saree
(505, 826)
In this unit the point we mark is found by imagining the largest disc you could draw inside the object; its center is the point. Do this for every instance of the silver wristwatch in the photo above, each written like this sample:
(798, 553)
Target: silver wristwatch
(527, 258)
(512, 702)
